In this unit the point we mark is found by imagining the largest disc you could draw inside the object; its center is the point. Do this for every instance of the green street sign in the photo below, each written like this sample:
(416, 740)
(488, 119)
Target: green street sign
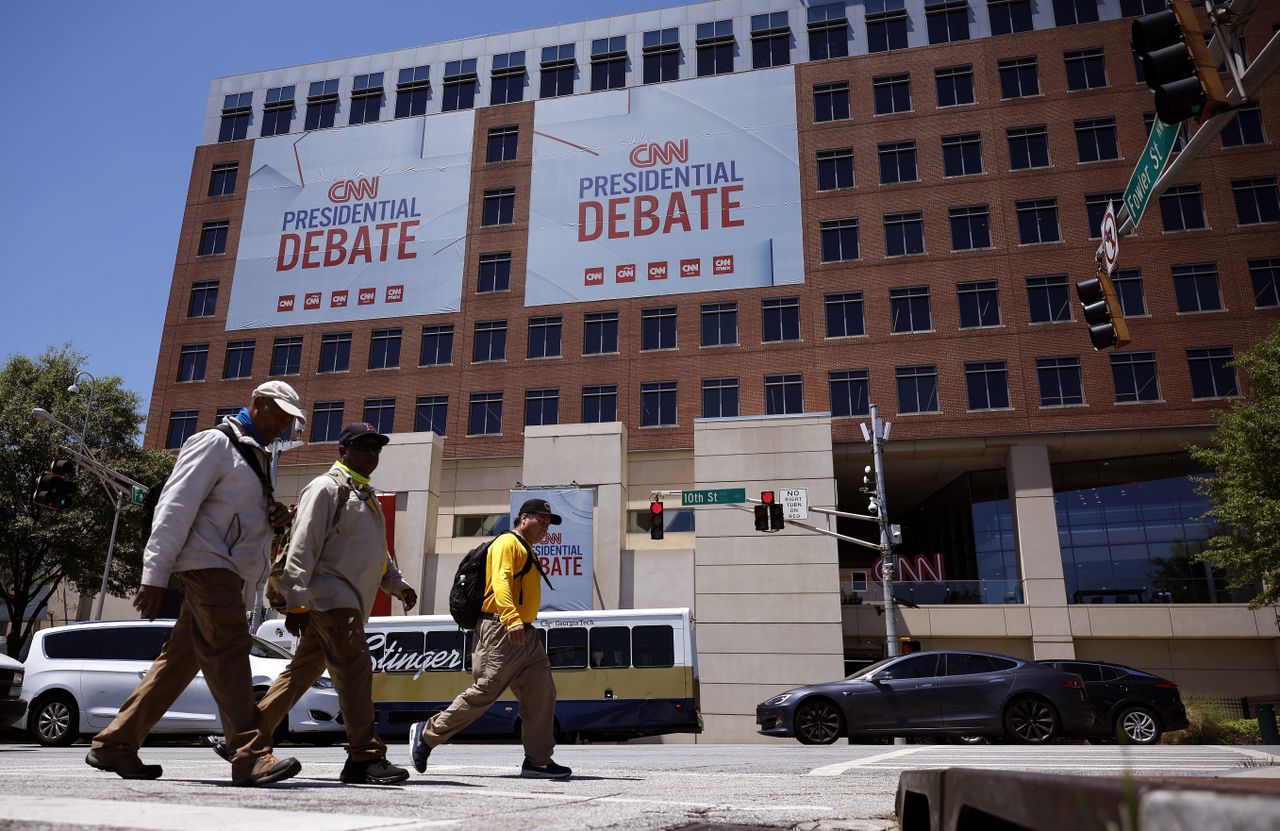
(723, 496)
(137, 495)
(1153, 159)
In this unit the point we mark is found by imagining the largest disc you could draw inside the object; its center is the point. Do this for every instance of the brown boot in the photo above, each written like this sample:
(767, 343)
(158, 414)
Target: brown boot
(267, 769)
(123, 764)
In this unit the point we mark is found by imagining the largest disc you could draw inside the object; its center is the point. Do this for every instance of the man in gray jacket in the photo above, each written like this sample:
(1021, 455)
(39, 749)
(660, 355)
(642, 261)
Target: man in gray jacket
(336, 561)
(213, 528)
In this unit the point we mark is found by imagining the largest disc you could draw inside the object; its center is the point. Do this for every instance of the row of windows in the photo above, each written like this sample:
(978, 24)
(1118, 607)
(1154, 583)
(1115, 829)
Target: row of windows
(1257, 200)
(887, 23)
(1096, 140)
(1196, 289)
(1211, 371)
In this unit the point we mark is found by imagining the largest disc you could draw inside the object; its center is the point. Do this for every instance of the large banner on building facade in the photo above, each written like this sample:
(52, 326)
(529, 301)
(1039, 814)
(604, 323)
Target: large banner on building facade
(663, 189)
(566, 552)
(355, 224)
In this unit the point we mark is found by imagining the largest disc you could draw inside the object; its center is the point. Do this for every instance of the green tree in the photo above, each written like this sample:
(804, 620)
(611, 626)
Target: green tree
(1243, 487)
(42, 550)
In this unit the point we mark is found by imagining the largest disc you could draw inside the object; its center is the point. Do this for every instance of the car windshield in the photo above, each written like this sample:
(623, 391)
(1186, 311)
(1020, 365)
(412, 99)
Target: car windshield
(865, 671)
(266, 649)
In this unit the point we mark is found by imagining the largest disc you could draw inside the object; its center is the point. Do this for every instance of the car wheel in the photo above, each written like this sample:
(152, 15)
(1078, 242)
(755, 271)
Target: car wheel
(971, 740)
(818, 721)
(1030, 721)
(1137, 725)
(55, 721)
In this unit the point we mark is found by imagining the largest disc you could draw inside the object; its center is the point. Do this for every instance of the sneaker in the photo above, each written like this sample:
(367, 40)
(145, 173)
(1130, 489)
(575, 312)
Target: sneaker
(268, 769)
(219, 746)
(548, 771)
(419, 750)
(124, 765)
(373, 772)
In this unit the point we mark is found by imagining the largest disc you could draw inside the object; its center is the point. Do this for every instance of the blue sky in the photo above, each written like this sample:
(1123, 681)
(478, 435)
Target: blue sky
(105, 108)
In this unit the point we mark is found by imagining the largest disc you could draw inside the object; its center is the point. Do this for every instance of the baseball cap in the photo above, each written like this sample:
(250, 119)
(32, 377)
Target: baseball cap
(285, 396)
(539, 506)
(356, 429)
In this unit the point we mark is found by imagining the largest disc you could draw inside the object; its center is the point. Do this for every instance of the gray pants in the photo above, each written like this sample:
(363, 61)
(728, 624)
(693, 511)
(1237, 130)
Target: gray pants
(498, 664)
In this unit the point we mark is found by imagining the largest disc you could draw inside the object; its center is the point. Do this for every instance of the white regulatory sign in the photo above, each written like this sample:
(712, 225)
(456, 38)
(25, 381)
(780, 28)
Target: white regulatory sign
(795, 503)
(1110, 238)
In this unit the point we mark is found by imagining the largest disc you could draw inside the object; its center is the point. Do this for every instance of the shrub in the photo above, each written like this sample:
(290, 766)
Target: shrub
(1210, 723)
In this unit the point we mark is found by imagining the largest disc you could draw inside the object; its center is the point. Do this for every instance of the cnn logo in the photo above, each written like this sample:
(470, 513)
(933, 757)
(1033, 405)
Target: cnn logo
(366, 297)
(344, 190)
(722, 265)
(285, 303)
(625, 273)
(311, 300)
(690, 268)
(658, 271)
(395, 294)
(594, 277)
(338, 300)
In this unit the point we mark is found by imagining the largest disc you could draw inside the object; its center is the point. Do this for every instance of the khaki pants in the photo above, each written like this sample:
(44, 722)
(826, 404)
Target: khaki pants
(211, 636)
(333, 639)
(498, 664)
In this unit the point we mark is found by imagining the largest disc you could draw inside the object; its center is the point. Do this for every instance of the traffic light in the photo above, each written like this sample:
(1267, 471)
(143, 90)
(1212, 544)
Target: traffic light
(1102, 311)
(769, 513)
(868, 479)
(1176, 64)
(655, 520)
(55, 489)
(908, 646)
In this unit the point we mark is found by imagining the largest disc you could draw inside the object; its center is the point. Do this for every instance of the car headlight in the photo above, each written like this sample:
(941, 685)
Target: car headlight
(17, 678)
(323, 683)
(778, 699)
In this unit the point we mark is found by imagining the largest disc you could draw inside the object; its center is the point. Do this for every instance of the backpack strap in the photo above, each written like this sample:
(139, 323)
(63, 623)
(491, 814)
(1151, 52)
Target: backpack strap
(530, 561)
(251, 458)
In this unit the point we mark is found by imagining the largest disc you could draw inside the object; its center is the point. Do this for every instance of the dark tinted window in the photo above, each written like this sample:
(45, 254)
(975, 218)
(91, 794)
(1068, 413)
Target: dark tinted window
(1089, 672)
(1115, 673)
(66, 645)
(567, 647)
(653, 646)
(998, 664)
(135, 643)
(443, 646)
(918, 666)
(610, 646)
(966, 663)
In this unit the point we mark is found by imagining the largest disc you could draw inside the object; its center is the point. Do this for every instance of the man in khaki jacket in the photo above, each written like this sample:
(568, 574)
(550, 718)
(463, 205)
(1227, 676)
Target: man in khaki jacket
(336, 561)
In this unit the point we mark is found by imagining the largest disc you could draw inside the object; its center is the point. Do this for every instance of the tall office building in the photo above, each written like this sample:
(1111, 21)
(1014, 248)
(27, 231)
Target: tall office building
(686, 250)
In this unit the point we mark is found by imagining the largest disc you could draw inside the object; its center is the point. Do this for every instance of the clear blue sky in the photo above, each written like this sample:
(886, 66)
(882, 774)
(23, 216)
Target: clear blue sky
(104, 107)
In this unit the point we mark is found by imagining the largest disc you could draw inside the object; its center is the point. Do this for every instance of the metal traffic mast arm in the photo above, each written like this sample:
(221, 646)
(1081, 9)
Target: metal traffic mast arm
(1262, 68)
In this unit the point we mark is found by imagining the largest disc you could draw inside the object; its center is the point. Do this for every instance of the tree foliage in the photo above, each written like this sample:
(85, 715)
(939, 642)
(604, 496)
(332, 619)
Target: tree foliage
(1243, 487)
(42, 550)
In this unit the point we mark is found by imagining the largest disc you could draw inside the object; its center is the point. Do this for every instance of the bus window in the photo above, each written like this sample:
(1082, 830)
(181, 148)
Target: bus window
(567, 647)
(440, 644)
(653, 646)
(610, 647)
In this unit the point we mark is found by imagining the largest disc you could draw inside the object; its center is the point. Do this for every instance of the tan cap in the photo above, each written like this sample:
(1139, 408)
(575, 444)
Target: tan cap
(285, 396)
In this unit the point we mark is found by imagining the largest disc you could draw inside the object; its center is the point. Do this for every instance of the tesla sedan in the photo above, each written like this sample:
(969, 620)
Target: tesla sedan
(1128, 704)
(937, 694)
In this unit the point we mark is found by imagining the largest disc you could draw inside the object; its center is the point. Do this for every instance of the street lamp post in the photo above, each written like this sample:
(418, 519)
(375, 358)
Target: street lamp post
(74, 389)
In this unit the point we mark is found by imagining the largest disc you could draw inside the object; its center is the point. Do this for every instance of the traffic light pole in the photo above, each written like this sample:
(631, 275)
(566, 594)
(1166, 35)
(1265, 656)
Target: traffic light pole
(115, 482)
(886, 545)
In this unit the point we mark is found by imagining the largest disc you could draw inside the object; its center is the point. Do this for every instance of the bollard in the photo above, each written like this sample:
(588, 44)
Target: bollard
(1267, 723)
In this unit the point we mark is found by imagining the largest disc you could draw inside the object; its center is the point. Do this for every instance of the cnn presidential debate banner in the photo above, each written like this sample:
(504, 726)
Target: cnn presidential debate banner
(670, 188)
(353, 224)
(565, 553)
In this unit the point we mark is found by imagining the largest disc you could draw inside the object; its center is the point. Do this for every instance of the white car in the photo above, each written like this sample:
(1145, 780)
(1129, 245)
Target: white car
(77, 676)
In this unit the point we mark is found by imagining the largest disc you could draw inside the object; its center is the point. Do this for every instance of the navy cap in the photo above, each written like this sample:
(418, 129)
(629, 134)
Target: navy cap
(357, 429)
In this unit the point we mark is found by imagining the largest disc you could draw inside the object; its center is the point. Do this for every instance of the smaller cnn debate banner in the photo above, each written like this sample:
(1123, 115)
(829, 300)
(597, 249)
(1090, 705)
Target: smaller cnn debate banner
(355, 223)
(666, 189)
(565, 553)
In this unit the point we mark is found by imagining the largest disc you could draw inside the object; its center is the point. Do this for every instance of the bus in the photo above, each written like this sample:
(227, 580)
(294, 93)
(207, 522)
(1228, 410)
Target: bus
(619, 674)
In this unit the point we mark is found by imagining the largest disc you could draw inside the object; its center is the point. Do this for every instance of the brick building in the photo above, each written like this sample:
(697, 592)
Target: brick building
(952, 161)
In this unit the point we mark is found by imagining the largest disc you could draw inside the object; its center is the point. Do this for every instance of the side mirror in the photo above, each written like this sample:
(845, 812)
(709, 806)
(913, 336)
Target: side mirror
(882, 675)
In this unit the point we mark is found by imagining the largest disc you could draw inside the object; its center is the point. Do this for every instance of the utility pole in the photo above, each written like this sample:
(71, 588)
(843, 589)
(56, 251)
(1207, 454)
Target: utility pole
(879, 434)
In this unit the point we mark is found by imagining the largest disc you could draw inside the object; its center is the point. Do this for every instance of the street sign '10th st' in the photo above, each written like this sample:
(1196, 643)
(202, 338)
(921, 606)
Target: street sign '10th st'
(722, 496)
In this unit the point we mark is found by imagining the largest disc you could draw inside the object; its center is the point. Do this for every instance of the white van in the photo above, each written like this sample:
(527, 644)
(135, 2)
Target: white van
(77, 676)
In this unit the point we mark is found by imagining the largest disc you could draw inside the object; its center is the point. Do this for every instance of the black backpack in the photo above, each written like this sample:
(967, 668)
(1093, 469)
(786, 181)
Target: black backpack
(468, 593)
(152, 498)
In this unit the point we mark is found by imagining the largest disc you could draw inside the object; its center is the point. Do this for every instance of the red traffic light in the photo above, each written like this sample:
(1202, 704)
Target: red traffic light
(655, 507)
(766, 497)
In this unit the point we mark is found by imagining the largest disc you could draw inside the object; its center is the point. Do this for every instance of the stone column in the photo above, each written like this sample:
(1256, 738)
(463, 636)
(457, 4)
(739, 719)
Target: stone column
(1035, 528)
(593, 455)
(411, 468)
(767, 605)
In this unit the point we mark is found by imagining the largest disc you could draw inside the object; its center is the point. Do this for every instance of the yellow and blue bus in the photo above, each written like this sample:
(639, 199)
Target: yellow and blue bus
(619, 674)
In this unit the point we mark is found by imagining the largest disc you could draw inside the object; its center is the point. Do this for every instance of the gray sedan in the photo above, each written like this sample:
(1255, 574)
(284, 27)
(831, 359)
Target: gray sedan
(939, 694)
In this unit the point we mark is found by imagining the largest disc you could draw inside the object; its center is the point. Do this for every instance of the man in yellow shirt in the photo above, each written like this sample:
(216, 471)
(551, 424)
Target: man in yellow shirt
(508, 652)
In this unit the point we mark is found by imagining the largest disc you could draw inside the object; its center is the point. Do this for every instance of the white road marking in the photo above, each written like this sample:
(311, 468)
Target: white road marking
(841, 767)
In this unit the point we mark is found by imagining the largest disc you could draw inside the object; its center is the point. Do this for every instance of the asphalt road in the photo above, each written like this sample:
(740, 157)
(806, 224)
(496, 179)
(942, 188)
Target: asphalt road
(648, 786)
